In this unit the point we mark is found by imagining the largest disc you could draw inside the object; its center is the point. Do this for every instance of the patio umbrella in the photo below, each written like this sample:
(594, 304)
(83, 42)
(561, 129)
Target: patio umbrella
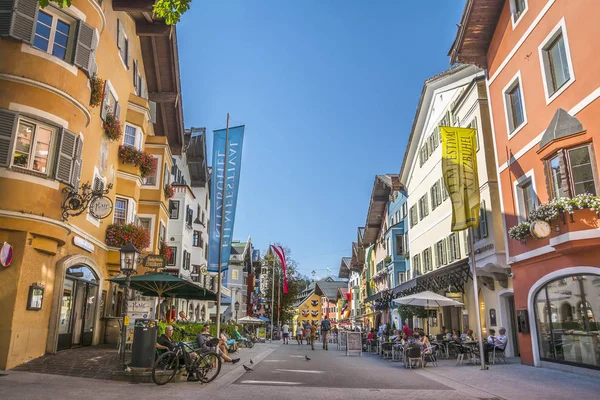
(427, 299)
(164, 285)
(249, 320)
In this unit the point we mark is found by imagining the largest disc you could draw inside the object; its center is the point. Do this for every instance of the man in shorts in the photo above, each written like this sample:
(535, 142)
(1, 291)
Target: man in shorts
(299, 334)
(285, 330)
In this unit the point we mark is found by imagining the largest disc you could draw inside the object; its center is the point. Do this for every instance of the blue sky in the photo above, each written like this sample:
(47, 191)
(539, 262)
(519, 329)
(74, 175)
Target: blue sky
(328, 92)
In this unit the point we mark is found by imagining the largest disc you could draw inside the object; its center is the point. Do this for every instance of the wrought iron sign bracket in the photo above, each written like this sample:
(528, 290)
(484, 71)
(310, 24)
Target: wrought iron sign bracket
(76, 202)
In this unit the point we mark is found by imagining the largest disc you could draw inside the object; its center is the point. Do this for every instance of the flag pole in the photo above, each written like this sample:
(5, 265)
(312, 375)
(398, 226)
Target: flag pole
(272, 294)
(279, 302)
(476, 289)
(219, 283)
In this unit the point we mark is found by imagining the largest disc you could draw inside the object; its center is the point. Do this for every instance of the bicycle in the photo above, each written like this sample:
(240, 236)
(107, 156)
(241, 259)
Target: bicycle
(206, 366)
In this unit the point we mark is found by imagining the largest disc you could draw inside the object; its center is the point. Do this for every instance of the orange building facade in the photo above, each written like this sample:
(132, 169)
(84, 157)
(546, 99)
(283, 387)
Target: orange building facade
(543, 88)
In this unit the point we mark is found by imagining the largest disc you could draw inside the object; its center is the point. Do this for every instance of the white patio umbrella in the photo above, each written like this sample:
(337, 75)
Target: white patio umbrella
(249, 320)
(428, 300)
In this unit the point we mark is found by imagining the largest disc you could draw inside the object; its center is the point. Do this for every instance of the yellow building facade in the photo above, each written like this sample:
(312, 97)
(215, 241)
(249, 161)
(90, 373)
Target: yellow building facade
(55, 292)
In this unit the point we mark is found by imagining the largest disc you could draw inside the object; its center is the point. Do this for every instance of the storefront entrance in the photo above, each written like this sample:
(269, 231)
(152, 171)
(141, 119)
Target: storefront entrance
(78, 308)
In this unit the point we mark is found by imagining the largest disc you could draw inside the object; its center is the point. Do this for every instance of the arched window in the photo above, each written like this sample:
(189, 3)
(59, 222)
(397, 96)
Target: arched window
(566, 311)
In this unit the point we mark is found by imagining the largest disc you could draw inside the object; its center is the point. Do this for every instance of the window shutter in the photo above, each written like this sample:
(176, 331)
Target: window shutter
(450, 253)
(135, 77)
(104, 109)
(8, 124)
(84, 48)
(437, 256)
(119, 34)
(76, 176)
(117, 111)
(443, 188)
(98, 185)
(66, 155)
(130, 211)
(444, 252)
(152, 111)
(17, 19)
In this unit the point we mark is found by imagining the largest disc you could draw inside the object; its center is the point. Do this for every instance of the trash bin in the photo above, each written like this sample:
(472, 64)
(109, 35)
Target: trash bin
(144, 343)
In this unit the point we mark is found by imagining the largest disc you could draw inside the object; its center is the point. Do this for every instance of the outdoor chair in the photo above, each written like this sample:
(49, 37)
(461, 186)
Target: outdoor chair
(372, 344)
(414, 354)
(461, 351)
(500, 354)
(429, 355)
(397, 352)
(387, 349)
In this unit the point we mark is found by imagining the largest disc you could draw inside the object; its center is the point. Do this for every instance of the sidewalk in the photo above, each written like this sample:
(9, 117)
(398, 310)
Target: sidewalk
(513, 381)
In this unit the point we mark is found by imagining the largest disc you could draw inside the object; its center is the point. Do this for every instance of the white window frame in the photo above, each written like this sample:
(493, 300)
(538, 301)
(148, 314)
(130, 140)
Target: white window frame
(515, 22)
(507, 112)
(152, 219)
(528, 176)
(157, 183)
(89, 218)
(139, 136)
(560, 28)
(71, 41)
(162, 226)
(51, 163)
(130, 211)
(113, 92)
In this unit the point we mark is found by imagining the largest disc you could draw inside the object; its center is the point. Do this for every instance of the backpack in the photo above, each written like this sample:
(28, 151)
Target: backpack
(325, 325)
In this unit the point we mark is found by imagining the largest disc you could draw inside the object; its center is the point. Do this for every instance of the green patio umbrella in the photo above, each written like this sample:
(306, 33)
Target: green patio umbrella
(165, 285)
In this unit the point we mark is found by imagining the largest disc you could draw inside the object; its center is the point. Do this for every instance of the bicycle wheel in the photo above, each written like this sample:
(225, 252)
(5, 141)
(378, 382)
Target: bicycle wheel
(209, 366)
(165, 368)
(249, 344)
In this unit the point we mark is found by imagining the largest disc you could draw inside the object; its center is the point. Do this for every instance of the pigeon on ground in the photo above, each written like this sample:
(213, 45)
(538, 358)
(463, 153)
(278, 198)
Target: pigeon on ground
(307, 359)
(248, 369)
(251, 362)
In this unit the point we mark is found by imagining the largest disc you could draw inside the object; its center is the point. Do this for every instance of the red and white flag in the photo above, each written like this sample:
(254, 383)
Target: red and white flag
(281, 254)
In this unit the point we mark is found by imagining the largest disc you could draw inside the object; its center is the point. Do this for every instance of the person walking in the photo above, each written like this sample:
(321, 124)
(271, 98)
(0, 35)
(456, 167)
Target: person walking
(313, 335)
(285, 330)
(299, 335)
(325, 328)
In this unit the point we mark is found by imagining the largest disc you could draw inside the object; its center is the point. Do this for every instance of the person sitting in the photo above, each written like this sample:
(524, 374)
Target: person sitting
(237, 335)
(396, 335)
(407, 331)
(183, 317)
(418, 340)
(425, 340)
(371, 335)
(455, 335)
(204, 337)
(494, 341)
(230, 343)
(469, 336)
(165, 342)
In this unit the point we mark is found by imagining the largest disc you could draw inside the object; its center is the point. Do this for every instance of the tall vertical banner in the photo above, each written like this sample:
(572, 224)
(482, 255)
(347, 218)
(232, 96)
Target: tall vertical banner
(281, 254)
(228, 177)
(459, 168)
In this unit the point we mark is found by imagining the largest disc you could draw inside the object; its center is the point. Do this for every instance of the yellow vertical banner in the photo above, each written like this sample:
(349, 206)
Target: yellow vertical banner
(459, 168)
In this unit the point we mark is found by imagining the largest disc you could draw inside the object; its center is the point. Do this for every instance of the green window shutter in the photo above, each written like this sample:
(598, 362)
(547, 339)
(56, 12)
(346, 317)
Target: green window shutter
(85, 48)
(66, 154)
(8, 124)
(76, 176)
(18, 18)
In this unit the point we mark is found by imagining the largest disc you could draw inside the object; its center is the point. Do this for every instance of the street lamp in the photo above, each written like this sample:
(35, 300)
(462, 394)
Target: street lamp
(129, 260)
(237, 308)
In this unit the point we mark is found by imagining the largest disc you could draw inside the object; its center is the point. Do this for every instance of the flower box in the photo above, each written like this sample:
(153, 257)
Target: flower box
(118, 235)
(577, 220)
(112, 127)
(143, 163)
(169, 192)
(97, 91)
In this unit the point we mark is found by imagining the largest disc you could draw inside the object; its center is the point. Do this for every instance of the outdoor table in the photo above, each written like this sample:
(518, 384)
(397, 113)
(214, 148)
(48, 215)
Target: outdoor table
(473, 347)
(387, 348)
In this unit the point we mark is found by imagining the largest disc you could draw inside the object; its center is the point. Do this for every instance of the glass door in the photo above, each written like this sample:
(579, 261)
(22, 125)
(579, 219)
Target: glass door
(78, 311)
(89, 315)
(65, 329)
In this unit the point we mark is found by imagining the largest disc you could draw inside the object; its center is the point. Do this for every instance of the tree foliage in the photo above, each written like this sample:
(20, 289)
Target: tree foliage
(295, 285)
(170, 10)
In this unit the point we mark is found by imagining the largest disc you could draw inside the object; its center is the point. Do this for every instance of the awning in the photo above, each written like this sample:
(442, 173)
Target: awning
(452, 276)
(372, 298)
(264, 318)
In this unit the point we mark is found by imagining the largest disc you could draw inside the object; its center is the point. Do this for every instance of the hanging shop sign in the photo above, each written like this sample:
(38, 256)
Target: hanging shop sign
(6, 254)
(154, 261)
(76, 201)
(36, 296)
(203, 270)
(84, 244)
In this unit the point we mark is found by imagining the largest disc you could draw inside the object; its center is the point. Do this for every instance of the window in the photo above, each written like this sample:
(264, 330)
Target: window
(416, 265)
(440, 253)
(196, 239)
(122, 44)
(413, 216)
(120, 211)
(482, 231)
(186, 260)
(146, 225)
(234, 274)
(424, 154)
(555, 167)
(473, 125)
(173, 209)
(581, 170)
(166, 176)
(453, 247)
(399, 245)
(404, 210)
(427, 259)
(557, 69)
(34, 146)
(567, 310)
(245, 282)
(443, 190)
(54, 35)
(151, 179)
(423, 208)
(514, 104)
(133, 137)
(162, 232)
(110, 104)
(517, 8)
(189, 216)
(173, 259)
(401, 277)
(436, 195)
(526, 198)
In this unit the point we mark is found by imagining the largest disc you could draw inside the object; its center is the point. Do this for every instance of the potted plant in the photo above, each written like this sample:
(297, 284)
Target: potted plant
(387, 259)
(112, 127)
(118, 235)
(97, 91)
(139, 158)
(169, 191)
